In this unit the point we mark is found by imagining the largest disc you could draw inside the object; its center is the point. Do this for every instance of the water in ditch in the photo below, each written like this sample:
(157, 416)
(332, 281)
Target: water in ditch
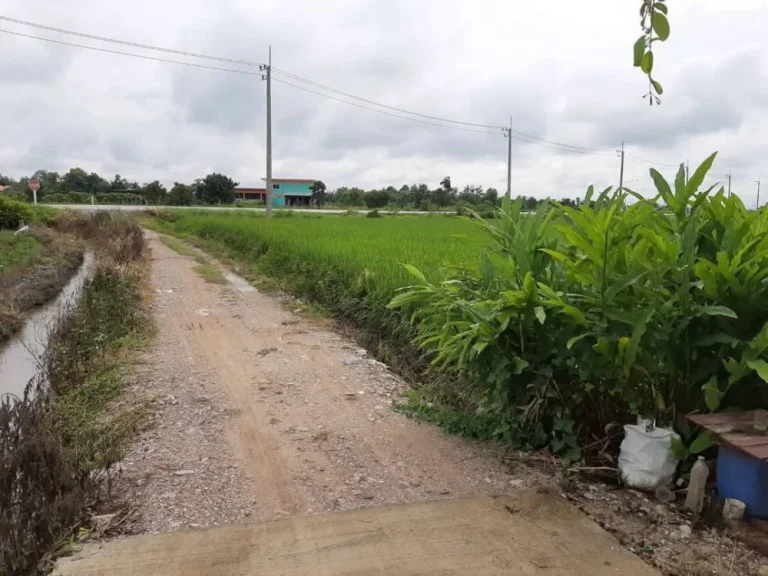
(19, 357)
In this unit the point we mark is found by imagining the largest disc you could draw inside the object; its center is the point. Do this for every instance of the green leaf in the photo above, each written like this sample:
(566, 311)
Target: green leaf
(663, 187)
(678, 448)
(575, 339)
(718, 311)
(416, 273)
(541, 315)
(660, 26)
(603, 346)
(646, 64)
(518, 365)
(660, 7)
(712, 394)
(702, 442)
(625, 281)
(559, 256)
(657, 86)
(574, 313)
(639, 50)
(698, 176)
(634, 345)
(761, 367)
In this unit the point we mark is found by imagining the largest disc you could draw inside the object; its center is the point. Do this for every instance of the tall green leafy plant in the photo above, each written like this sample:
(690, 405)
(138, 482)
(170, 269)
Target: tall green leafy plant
(612, 309)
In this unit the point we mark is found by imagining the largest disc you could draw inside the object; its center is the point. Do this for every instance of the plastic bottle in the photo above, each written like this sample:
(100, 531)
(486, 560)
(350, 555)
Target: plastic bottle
(694, 500)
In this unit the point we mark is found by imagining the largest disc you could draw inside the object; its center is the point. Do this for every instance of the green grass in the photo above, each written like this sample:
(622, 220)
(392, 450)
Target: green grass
(210, 273)
(181, 247)
(17, 250)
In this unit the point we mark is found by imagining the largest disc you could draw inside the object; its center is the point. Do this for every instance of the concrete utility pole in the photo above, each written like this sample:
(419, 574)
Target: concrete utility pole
(268, 77)
(509, 160)
(758, 194)
(621, 172)
(269, 135)
(729, 183)
(687, 176)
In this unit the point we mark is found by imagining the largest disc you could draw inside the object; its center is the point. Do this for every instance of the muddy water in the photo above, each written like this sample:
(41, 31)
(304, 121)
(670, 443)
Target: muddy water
(19, 357)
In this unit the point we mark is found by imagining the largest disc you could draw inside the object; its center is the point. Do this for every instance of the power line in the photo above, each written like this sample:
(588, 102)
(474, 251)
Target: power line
(572, 147)
(637, 158)
(127, 43)
(518, 135)
(384, 111)
(348, 95)
(585, 151)
(105, 50)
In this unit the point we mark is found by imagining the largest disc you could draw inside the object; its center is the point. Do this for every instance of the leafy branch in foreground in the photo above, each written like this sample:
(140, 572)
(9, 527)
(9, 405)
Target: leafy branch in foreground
(655, 26)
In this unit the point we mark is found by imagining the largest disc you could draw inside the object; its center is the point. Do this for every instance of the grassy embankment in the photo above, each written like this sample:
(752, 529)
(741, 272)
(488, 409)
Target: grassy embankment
(349, 265)
(59, 443)
(34, 265)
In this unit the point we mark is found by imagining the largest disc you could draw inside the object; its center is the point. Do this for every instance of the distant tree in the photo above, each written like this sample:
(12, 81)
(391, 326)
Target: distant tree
(76, 180)
(420, 193)
(445, 183)
(491, 196)
(217, 189)
(376, 199)
(6, 180)
(318, 192)
(154, 193)
(181, 195)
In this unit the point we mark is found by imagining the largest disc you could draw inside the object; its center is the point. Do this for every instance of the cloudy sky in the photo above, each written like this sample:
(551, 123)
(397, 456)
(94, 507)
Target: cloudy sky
(562, 69)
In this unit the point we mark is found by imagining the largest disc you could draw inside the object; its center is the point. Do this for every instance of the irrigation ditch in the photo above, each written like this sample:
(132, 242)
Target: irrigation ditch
(61, 432)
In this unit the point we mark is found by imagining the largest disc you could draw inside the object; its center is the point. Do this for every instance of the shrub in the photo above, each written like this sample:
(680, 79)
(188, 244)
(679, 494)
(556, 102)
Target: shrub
(373, 213)
(13, 214)
(607, 311)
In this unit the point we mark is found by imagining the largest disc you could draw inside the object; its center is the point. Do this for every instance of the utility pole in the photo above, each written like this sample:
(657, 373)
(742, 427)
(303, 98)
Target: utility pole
(758, 194)
(621, 173)
(268, 77)
(729, 183)
(687, 175)
(509, 160)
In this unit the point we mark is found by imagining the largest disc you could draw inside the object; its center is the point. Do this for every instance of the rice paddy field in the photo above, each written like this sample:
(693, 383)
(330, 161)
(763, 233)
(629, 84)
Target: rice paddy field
(372, 250)
(350, 266)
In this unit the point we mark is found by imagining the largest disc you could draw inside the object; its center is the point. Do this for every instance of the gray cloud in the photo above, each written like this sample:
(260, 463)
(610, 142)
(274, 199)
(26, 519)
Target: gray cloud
(561, 77)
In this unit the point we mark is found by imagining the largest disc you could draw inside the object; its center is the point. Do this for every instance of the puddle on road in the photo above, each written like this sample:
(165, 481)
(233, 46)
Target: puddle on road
(238, 283)
(18, 358)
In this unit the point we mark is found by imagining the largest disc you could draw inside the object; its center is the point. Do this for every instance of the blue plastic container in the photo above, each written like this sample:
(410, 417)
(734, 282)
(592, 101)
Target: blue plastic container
(744, 478)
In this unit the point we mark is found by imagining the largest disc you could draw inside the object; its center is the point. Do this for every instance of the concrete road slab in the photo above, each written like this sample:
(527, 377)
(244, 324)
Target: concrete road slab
(531, 534)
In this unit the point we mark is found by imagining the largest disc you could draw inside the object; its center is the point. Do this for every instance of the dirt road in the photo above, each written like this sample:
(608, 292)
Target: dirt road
(260, 414)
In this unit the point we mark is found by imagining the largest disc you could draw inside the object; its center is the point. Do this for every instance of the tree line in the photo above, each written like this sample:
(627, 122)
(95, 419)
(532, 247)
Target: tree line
(80, 187)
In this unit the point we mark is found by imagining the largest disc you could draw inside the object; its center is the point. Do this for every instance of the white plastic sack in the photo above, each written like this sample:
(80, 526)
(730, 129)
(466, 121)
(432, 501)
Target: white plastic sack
(646, 460)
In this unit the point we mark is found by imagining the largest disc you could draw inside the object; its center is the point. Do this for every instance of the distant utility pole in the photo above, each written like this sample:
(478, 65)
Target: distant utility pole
(687, 175)
(758, 194)
(268, 77)
(729, 183)
(509, 160)
(621, 172)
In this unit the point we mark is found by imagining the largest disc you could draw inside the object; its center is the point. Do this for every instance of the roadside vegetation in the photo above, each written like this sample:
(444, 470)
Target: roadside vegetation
(34, 265)
(544, 329)
(59, 443)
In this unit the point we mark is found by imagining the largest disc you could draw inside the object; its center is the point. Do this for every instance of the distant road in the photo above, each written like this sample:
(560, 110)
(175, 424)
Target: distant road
(140, 208)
